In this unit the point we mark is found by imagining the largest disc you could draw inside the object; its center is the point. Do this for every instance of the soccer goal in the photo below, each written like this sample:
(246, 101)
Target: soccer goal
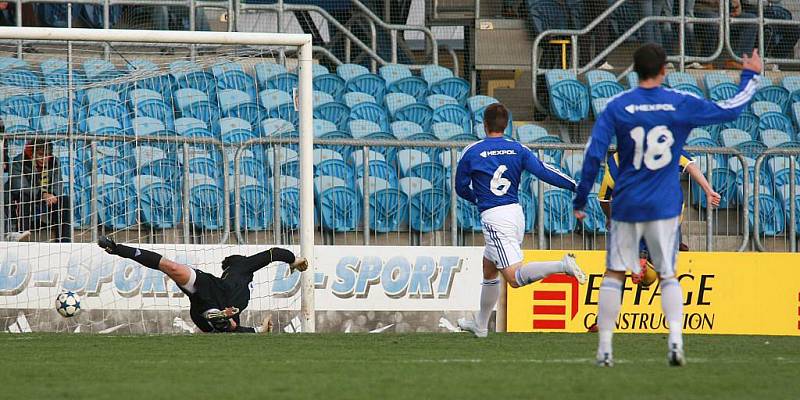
(197, 145)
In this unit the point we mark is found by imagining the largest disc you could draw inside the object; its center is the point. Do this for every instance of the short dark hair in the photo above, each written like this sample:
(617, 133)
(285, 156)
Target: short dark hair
(495, 118)
(648, 60)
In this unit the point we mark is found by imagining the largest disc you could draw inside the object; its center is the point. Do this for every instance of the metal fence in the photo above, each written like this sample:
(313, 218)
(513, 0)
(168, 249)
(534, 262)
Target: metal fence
(706, 229)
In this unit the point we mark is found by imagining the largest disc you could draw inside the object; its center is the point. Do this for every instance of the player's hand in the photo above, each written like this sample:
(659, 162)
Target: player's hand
(713, 198)
(579, 214)
(49, 199)
(753, 62)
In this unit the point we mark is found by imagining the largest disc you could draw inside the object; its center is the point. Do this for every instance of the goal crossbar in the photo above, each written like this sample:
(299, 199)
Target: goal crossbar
(305, 104)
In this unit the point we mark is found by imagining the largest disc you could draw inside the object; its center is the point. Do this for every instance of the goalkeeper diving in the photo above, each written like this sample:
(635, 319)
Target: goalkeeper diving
(216, 302)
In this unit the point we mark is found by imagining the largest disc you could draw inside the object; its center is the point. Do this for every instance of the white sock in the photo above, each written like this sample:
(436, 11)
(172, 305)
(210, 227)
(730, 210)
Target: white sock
(490, 291)
(608, 305)
(538, 270)
(672, 304)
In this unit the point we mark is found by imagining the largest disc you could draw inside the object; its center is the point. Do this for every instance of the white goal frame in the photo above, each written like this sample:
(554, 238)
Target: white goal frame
(305, 103)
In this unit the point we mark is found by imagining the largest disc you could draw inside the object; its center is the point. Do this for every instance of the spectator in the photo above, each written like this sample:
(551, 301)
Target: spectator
(779, 40)
(657, 32)
(35, 193)
(743, 36)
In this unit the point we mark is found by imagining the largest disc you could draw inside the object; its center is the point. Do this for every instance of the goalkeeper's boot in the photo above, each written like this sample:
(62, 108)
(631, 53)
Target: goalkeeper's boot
(675, 356)
(218, 315)
(469, 325)
(571, 268)
(299, 264)
(107, 244)
(605, 360)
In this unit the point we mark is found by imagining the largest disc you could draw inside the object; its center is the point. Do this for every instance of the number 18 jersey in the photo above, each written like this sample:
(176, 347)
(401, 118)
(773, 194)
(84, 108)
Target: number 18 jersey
(651, 126)
(490, 170)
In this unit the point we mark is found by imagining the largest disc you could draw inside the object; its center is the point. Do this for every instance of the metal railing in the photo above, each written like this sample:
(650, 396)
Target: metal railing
(792, 154)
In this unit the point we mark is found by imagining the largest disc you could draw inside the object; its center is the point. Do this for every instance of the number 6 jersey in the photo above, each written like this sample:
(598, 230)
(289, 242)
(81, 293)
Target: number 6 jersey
(651, 127)
(489, 172)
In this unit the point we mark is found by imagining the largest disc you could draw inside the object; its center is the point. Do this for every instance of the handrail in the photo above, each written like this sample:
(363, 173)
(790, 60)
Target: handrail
(574, 33)
(791, 152)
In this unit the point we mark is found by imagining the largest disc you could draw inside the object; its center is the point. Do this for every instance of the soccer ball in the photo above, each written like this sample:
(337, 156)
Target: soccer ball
(650, 275)
(68, 304)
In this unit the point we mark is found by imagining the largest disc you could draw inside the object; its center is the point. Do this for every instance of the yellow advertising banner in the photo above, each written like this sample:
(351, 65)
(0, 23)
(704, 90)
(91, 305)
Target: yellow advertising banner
(724, 293)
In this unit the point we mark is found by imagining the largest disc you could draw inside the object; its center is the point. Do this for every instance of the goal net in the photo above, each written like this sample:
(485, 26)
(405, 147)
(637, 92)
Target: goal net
(185, 143)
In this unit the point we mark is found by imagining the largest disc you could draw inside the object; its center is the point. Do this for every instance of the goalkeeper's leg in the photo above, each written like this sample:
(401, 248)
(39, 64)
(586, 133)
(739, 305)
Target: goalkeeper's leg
(181, 274)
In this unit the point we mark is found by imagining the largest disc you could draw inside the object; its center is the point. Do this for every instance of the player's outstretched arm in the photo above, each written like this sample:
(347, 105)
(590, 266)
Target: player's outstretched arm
(596, 151)
(698, 111)
(463, 180)
(260, 260)
(546, 172)
(701, 180)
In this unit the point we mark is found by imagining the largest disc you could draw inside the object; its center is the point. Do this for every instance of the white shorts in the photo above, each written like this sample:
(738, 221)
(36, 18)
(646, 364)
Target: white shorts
(662, 238)
(503, 231)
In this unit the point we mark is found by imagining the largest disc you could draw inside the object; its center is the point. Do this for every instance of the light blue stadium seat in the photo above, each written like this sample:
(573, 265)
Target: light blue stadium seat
(746, 122)
(335, 112)
(435, 73)
(290, 202)
(596, 76)
(350, 71)
(388, 206)
(52, 125)
(146, 126)
(11, 63)
(235, 130)
(569, 101)
(429, 206)
(337, 204)
(433, 152)
(775, 120)
(116, 203)
(329, 83)
(21, 78)
(723, 91)
(367, 83)
(446, 130)
(265, 71)
(273, 99)
(400, 80)
(796, 113)
(417, 113)
(771, 217)
(454, 87)
(605, 89)
(780, 168)
(394, 72)
(633, 79)
(14, 102)
(404, 129)
(159, 203)
(15, 123)
(783, 195)
(776, 94)
(353, 99)
(193, 127)
(598, 106)
(204, 166)
(408, 158)
(370, 112)
(322, 127)
(287, 160)
(714, 79)
(733, 137)
(98, 70)
(378, 168)
(287, 82)
(196, 104)
(335, 167)
(153, 160)
(595, 221)
(321, 98)
(149, 103)
(476, 104)
(435, 101)
(530, 133)
(230, 75)
(468, 216)
(276, 127)
(760, 108)
(396, 101)
(555, 76)
(206, 203)
(676, 78)
(235, 103)
(321, 155)
(454, 113)
(250, 166)
(792, 85)
(56, 102)
(255, 204)
(102, 125)
(188, 75)
(558, 216)
(151, 77)
(777, 138)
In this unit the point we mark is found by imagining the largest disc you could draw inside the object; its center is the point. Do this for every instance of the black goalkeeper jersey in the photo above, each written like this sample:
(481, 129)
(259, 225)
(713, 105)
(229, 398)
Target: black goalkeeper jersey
(231, 290)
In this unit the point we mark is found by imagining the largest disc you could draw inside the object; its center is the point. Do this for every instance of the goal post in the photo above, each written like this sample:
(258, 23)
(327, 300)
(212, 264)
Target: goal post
(303, 103)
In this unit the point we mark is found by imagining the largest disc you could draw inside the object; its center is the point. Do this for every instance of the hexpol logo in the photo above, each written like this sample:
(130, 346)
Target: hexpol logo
(550, 302)
(484, 154)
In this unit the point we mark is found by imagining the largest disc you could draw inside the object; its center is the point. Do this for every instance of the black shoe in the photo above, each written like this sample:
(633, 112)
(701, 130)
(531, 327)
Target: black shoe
(107, 244)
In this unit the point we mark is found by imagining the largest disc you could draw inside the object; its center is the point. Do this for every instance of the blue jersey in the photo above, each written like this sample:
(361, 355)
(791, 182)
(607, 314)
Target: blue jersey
(489, 172)
(651, 126)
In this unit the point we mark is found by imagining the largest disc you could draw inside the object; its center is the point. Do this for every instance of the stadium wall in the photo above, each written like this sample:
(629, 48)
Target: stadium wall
(724, 293)
(356, 288)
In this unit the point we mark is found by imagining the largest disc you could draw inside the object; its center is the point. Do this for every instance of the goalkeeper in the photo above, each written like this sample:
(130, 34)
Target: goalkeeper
(216, 303)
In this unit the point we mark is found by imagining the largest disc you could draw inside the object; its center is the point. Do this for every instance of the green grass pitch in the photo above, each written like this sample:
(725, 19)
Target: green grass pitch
(392, 366)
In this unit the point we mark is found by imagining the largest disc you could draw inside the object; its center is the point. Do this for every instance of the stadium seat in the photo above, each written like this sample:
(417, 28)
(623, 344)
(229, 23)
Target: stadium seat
(770, 212)
(775, 120)
(476, 104)
(231, 75)
(595, 221)
(605, 89)
(11, 63)
(435, 101)
(455, 114)
(783, 195)
(796, 114)
(322, 127)
(558, 216)
(596, 76)
(146, 126)
(266, 70)
(408, 158)
(286, 81)
(781, 172)
(235, 130)
(196, 104)
(148, 103)
(396, 101)
(15, 123)
(792, 85)
(433, 152)
(677, 78)
(417, 113)
(321, 98)
(204, 166)
(237, 104)
(454, 87)
(404, 129)
(598, 106)
(760, 108)
(530, 133)
(394, 72)
(468, 216)
(633, 79)
(255, 204)
(151, 77)
(714, 79)
(434, 73)
(116, 203)
(746, 122)
(350, 71)
(344, 150)
(335, 112)
(367, 83)
(329, 83)
(388, 206)
(429, 206)
(573, 163)
(188, 75)
(52, 125)
(290, 202)
(337, 204)
(278, 104)
(192, 127)
(569, 100)
(56, 102)
(102, 125)
(723, 91)
(360, 128)
(335, 167)
(352, 99)
(370, 112)
(446, 130)
(776, 94)
(14, 103)
(159, 203)
(206, 203)
(357, 158)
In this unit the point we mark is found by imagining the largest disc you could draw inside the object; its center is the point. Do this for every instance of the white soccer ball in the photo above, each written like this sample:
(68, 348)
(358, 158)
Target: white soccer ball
(68, 304)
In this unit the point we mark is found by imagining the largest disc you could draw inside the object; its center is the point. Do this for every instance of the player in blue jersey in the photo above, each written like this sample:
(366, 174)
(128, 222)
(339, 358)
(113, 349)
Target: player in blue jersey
(651, 125)
(488, 175)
